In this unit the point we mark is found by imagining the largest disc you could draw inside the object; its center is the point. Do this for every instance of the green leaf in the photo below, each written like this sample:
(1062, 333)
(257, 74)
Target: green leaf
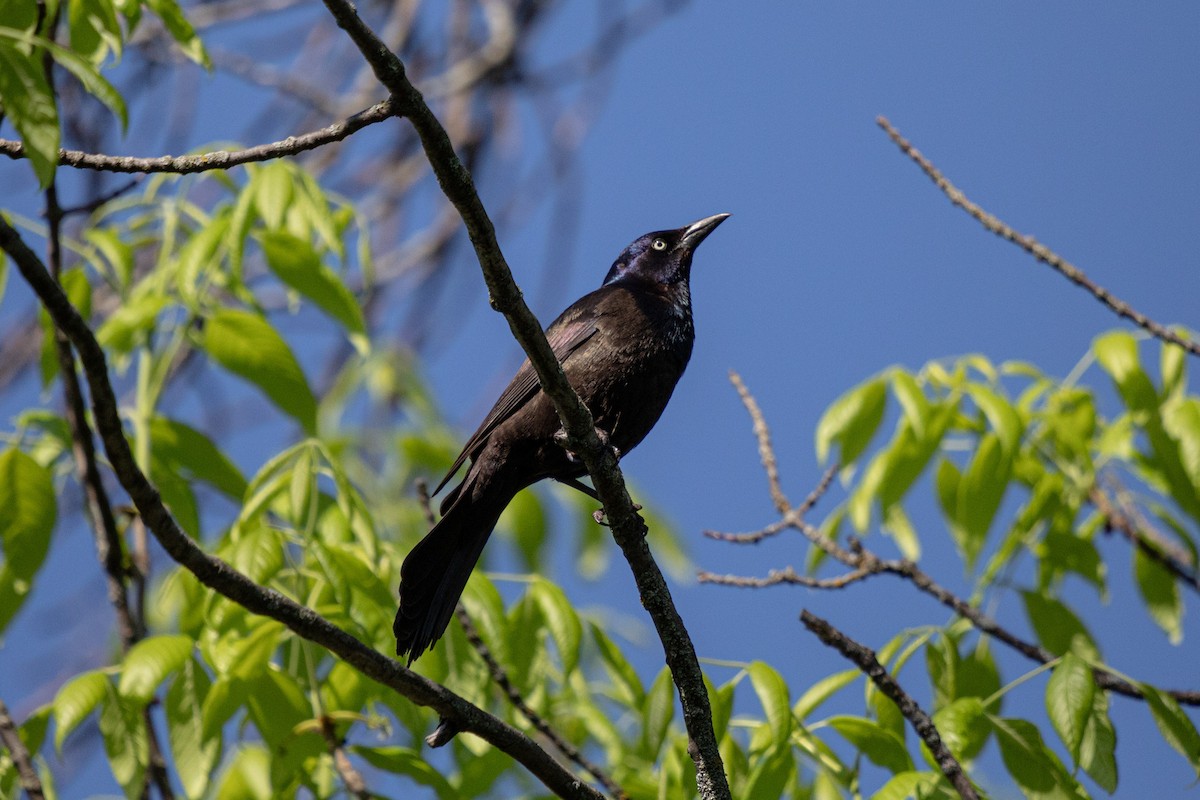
(149, 662)
(225, 697)
(980, 491)
(29, 509)
(297, 264)
(657, 713)
(248, 776)
(247, 345)
(628, 687)
(29, 104)
(184, 447)
(272, 187)
(1069, 700)
(408, 762)
(1001, 415)
(821, 691)
(912, 399)
(881, 746)
(907, 785)
(564, 624)
(1057, 627)
(770, 774)
(91, 80)
(195, 753)
(1098, 751)
(526, 518)
(772, 693)
(851, 421)
(126, 742)
(1174, 725)
(964, 727)
(181, 30)
(1118, 354)
(1031, 764)
(126, 326)
(95, 30)
(1159, 590)
(77, 699)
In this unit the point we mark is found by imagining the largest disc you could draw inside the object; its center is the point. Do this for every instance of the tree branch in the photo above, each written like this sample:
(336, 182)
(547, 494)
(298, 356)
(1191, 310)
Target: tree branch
(500, 676)
(1152, 546)
(11, 738)
(222, 578)
(1034, 247)
(863, 563)
(216, 159)
(627, 527)
(864, 658)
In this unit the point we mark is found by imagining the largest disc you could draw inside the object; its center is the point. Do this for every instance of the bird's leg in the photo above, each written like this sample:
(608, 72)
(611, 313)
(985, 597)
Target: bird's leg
(582, 487)
(560, 438)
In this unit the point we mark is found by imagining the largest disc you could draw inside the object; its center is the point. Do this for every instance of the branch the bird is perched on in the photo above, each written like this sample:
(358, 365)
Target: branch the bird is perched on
(623, 348)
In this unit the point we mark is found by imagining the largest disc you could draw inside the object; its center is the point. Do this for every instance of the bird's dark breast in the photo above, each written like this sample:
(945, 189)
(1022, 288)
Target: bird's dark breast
(625, 374)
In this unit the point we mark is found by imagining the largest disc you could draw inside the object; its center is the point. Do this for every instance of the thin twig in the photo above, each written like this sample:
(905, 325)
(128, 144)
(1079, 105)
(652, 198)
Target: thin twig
(792, 517)
(216, 159)
(864, 658)
(352, 779)
(859, 558)
(500, 676)
(766, 452)
(600, 460)
(93, 204)
(1034, 247)
(785, 575)
(222, 578)
(11, 738)
(1141, 537)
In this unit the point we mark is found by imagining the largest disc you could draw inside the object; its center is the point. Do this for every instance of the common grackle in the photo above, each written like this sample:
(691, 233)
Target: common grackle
(623, 348)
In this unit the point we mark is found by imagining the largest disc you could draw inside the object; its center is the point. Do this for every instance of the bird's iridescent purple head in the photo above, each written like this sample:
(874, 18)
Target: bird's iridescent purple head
(662, 258)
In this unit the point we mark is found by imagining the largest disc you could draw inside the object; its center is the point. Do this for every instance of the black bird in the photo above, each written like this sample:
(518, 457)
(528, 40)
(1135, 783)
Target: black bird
(623, 348)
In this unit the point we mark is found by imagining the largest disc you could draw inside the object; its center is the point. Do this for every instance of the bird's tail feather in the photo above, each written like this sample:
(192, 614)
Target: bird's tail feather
(435, 573)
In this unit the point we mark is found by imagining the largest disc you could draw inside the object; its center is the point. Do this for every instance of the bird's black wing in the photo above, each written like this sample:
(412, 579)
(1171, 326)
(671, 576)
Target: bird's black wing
(565, 337)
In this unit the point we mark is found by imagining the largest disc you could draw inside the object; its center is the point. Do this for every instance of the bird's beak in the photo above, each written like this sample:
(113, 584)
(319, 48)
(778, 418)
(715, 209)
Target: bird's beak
(695, 233)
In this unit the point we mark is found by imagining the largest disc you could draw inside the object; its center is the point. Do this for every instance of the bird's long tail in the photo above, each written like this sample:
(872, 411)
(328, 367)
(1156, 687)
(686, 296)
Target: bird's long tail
(435, 573)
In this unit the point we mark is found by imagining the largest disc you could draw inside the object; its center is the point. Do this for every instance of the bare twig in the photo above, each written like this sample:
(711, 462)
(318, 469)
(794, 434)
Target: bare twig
(864, 658)
(860, 559)
(11, 738)
(216, 159)
(792, 517)
(600, 460)
(1034, 247)
(1141, 536)
(500, 676)
(785, 575)
(765, 450)
(352, 779)
(222, 578)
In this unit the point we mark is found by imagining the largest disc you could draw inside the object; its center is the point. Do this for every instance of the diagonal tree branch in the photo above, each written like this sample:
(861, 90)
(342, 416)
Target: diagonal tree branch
(1034, 247)
(864, 658)
(216, 159)
(10, 737)
(601, 462)
(225, 580)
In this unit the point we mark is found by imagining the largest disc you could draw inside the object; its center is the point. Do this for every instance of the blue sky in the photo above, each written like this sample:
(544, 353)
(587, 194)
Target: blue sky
(1076, 123)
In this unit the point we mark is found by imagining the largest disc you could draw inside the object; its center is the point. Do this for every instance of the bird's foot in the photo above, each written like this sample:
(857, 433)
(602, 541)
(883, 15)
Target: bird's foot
(562, 439)
(602, 518)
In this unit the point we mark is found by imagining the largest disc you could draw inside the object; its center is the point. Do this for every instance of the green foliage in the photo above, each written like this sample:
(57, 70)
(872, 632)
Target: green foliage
(246, 276)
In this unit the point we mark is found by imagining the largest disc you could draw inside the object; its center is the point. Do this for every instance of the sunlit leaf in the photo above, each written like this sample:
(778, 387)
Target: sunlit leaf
(851, 421)
(77, 699)
(247, 345)
(772, 693)
(149, 662)
(881, 746)
(1069, 694)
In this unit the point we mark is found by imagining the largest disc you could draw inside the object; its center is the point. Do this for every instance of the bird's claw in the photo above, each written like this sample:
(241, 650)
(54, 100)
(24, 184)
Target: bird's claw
(602, 518)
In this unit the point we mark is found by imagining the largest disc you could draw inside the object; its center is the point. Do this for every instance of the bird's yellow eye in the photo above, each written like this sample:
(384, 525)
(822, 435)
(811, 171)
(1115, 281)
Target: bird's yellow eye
(659, 244)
